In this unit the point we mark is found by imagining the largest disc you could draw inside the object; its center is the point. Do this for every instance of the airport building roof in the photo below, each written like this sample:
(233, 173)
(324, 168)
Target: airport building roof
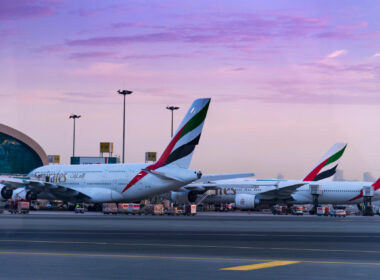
(19, 154)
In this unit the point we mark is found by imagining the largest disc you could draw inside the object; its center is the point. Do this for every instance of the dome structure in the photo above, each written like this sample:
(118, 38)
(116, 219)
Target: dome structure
(19, 154)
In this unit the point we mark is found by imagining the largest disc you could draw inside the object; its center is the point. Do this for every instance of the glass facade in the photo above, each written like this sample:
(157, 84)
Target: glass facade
(16, 157)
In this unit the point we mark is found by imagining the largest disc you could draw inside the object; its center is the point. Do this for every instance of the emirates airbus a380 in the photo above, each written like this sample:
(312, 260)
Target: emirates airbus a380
(117, 182)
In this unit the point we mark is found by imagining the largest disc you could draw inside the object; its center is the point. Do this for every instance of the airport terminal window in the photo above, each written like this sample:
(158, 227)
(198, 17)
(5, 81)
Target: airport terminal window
(16, 157)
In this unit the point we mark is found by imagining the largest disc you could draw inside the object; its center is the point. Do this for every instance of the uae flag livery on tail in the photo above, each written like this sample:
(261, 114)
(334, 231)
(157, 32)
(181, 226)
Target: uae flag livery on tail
(181, 147)
(326, 167)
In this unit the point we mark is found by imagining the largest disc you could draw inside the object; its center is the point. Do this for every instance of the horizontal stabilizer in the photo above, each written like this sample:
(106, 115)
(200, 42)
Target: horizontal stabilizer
(162, 175)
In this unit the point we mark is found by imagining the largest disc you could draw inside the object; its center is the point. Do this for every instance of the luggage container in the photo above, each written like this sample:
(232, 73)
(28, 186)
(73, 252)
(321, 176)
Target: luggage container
(134, 208)
(323, 210)
(154, 209)
(190, 210)
(122, 208)
(23, 207)
(109, 208)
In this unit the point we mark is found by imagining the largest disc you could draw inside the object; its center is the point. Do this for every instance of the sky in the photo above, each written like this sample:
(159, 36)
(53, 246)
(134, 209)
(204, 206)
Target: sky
(287, 79)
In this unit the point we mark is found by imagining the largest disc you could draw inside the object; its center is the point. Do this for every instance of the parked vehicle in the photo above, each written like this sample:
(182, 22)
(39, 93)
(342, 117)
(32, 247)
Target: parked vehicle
(338, 213)
(297, 210)
(79, 208)
(109, 208)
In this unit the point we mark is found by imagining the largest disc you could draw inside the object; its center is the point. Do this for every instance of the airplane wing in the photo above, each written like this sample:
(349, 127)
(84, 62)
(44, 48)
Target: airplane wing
(58, 191)
(281, 192)
(216, 177)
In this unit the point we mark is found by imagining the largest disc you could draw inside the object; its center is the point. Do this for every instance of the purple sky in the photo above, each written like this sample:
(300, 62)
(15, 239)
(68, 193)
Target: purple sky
(287, 78)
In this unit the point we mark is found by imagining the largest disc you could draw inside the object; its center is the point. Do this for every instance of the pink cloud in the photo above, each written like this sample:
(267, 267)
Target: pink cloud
(89, 55)
(21, 9)
(52, 49)
(337, 53)
(233, 29)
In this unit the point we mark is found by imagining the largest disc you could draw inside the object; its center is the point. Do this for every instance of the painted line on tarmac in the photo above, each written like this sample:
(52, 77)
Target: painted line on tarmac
(196, 234)
(187, 246)
(16, 253)
(260, 265)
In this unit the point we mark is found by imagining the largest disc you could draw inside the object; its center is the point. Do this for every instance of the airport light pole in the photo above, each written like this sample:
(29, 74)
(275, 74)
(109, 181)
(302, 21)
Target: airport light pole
(124, 93)
(172, 108)
(73, 116)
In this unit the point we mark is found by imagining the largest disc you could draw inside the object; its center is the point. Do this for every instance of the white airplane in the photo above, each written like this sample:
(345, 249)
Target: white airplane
(251, 193)
(117, 182)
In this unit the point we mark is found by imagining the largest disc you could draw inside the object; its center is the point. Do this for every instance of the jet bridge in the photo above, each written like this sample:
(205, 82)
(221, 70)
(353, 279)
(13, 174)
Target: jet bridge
(316, 191)
(368, 193)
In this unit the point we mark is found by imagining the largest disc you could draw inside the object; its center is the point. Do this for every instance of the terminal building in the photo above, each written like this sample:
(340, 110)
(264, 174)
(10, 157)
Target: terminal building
(19, 154)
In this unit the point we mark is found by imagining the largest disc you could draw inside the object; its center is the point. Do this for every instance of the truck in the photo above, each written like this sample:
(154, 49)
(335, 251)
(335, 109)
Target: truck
(190, 210)
(109, 208)
(79, 208)
(297, 210)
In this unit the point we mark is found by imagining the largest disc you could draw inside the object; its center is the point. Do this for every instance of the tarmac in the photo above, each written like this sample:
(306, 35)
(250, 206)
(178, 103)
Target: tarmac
(48, 245)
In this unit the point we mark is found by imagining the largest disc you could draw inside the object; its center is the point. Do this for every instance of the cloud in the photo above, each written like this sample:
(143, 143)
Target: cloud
(337, 53)
(226, 30)
(89, 55)
(157, 56)
(21, 9)
(376, 55)
(52, 49)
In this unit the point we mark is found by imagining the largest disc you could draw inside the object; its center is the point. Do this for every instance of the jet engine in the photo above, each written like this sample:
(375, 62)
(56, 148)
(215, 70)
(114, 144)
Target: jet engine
(31, 196)
(246, 201)
(184, 197)
(5, 192)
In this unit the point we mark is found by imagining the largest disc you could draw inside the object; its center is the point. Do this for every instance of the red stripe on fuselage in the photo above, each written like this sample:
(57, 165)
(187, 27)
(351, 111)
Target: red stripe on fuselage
(158, 164)
(375, 186)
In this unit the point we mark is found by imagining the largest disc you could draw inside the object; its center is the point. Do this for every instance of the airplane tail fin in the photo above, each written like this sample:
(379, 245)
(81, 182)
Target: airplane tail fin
(326, 167)
(180, 150)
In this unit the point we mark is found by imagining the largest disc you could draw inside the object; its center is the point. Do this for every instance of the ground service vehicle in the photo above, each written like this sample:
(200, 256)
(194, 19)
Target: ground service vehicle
(297, 210)
(109, 208)
(79, 209)
(338, 213)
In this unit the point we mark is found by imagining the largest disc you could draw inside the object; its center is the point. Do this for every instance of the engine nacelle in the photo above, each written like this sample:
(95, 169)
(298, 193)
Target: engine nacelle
(5, 192)
(246, 201)
(184, 197)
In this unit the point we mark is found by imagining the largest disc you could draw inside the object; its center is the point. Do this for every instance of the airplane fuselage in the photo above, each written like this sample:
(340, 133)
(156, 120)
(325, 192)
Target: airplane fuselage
(332, 192)
(107, 182)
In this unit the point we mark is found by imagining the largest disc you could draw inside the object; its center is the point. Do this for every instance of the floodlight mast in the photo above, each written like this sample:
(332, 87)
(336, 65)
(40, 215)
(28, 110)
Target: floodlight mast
(172, 108)
(74, 117)
(124, 93)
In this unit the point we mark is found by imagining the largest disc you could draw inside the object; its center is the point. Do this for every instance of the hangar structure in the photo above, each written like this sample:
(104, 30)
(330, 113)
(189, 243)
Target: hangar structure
(19, 154)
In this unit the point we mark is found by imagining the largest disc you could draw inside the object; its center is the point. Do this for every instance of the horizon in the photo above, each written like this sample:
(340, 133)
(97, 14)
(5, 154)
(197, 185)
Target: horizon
(287, 81)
